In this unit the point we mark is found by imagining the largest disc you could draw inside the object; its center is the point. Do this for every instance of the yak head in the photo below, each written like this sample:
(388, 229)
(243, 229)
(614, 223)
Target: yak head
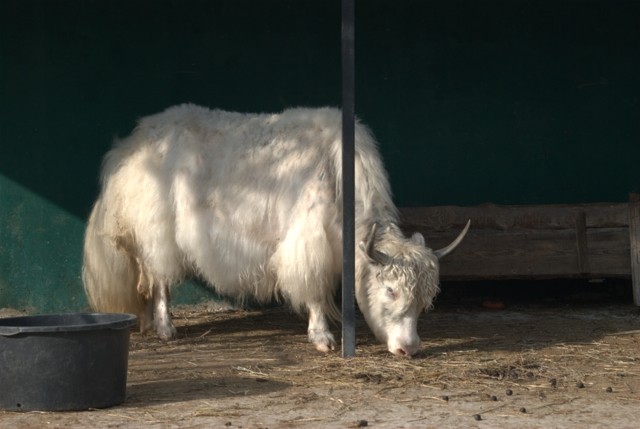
(397, 279)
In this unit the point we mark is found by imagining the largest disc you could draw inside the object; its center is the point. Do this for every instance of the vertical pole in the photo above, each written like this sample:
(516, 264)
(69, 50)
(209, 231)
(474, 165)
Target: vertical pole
(348, 180)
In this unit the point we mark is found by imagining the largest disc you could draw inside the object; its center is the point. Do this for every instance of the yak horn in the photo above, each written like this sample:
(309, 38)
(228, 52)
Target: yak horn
(374, 256)
(368, 247)
(441, 253)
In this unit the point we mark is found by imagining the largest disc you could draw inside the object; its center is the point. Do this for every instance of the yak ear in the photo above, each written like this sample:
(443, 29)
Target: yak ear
(418, 238)
(369, 252)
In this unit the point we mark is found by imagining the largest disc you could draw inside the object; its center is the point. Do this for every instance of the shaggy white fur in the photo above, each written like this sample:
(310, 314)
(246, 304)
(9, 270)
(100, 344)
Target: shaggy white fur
(250, 203)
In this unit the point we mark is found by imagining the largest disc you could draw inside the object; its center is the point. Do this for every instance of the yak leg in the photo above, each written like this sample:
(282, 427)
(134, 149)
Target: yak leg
(319, 333)
(162, 316)
(144, 289)
(146, 318)
(306, 263)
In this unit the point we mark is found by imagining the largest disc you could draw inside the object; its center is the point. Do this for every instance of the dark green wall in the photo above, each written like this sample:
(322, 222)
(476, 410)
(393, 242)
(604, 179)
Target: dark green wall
(472, 101)
(520, 102)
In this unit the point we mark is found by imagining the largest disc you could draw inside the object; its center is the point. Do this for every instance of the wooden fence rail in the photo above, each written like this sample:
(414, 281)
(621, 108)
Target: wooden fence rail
(535, 242)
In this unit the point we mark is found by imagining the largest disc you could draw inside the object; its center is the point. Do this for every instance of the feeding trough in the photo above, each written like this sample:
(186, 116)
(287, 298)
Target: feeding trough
(61, 362)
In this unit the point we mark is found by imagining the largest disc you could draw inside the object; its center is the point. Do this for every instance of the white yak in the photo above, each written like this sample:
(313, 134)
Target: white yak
(251, 204)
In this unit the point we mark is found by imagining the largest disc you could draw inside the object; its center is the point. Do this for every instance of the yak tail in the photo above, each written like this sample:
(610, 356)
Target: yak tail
(111, 273)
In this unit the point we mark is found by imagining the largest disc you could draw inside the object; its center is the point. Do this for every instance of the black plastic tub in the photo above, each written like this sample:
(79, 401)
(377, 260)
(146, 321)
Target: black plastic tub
(61, 362)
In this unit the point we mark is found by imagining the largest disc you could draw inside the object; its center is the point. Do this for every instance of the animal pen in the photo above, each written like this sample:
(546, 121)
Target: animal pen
(531, 106)
(582, 241)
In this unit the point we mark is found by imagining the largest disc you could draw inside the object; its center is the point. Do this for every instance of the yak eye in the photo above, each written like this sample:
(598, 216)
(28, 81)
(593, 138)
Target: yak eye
(391, 293)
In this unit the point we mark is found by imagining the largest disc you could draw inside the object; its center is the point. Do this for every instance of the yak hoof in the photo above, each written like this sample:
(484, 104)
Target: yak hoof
(146, 325)
(166, 332)
(323, 340)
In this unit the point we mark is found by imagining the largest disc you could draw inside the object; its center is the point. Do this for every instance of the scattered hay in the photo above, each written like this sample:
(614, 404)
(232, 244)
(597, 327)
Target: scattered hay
(271, 346)
(256, 369)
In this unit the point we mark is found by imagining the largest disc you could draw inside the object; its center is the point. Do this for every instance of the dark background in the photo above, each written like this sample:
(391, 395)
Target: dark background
(510, 102)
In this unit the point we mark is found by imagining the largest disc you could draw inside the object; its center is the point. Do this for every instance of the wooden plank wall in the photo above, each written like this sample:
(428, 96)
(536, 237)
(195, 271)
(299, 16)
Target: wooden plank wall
(528, 242)
(634, 239)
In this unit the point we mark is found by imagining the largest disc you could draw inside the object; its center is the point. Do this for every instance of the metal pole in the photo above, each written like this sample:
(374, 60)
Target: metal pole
(348, 180)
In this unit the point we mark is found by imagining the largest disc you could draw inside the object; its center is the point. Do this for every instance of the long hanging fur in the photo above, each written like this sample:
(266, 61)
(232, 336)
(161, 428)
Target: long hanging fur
(110, 271)
(252, 204)
(249, 203)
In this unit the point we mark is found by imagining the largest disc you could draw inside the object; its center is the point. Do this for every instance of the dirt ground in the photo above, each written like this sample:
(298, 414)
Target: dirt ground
(539, 363)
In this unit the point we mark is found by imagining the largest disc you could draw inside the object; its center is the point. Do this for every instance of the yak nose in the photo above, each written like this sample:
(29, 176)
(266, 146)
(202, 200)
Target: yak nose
(406, 350)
